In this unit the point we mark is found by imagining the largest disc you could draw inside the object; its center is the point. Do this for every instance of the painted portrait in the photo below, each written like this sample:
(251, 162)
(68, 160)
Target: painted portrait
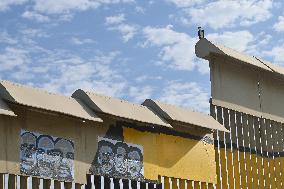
(46, 156)
(118, 159)
(28, 154)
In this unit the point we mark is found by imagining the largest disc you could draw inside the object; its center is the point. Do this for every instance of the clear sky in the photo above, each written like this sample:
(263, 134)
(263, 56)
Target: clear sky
(131, 49)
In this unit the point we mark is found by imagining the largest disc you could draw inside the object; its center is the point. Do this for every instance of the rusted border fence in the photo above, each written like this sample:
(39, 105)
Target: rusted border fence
(8, 181)
(251, 155)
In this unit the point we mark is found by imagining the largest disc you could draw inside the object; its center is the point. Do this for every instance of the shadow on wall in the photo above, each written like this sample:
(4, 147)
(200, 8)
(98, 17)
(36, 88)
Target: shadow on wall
(166, 150)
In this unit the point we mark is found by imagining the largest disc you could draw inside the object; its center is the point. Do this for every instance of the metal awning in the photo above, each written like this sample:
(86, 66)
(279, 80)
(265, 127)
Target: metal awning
(119, 108)
(5, 110)
(184, 115)
(204, 48)
(38, 98)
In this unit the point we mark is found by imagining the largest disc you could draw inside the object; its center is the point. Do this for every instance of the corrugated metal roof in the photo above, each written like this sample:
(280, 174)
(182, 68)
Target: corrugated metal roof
(275, 68)
(187, 116)
(5, 110)
(204, 48)
(119, 108)
(41, 99)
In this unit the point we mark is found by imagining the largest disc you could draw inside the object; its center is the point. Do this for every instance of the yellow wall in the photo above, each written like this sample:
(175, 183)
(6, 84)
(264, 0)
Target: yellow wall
(174, 156)
(250, 171)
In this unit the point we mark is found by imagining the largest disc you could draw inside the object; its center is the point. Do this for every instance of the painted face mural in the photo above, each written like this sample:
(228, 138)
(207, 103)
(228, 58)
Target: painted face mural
(135, 164)
(105, 157)
(118, 159)
(28, 154)
(47, 156)
(44, 158)
(65, 163)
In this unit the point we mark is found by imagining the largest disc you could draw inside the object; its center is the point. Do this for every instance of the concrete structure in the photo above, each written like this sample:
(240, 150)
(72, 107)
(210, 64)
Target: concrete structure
(244, 83)
(248, 99)
(64, 138)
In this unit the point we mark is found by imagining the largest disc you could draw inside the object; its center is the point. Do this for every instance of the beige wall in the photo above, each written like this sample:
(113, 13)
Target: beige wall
(235, 86)
(234, 83)
(84, 136)
(272, 93)
(3, 146)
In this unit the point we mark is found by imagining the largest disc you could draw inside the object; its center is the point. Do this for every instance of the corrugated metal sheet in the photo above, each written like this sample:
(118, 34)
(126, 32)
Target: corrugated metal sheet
(41, 99)
(187, 116)
(275, 68)
(204, 48)
(5, 110)
(119, 108)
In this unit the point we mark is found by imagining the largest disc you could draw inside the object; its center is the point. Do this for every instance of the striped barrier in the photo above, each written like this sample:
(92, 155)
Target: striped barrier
(8, 181)
(252, 154)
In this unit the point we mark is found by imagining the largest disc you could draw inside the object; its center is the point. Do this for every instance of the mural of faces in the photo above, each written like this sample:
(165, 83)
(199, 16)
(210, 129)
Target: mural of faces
(106, 157)
(65, 163)
(118, 159)
(44, 159)
(135, 164)
(46, 156)
(28, 154)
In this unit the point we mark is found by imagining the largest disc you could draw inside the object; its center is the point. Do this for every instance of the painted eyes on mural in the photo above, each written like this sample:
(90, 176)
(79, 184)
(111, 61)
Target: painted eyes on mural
(40, 151)
(106, 150)
(55, 152)
(27, 146)
(121, 149)
(135, 154)
(70, 155)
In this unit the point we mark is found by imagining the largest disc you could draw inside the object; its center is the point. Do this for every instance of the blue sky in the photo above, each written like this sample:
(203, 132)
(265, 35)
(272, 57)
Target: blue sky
(131, 49)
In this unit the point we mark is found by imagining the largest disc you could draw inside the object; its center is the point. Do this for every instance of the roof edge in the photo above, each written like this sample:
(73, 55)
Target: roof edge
(210, 48)
(7, 96)
(5, 110)
(82, 95)
(4, 93)
(204, 48)
(153, 106)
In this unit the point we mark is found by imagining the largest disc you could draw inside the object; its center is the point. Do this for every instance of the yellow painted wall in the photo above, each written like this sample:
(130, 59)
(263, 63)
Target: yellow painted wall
(174, 156)
(250, 171)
